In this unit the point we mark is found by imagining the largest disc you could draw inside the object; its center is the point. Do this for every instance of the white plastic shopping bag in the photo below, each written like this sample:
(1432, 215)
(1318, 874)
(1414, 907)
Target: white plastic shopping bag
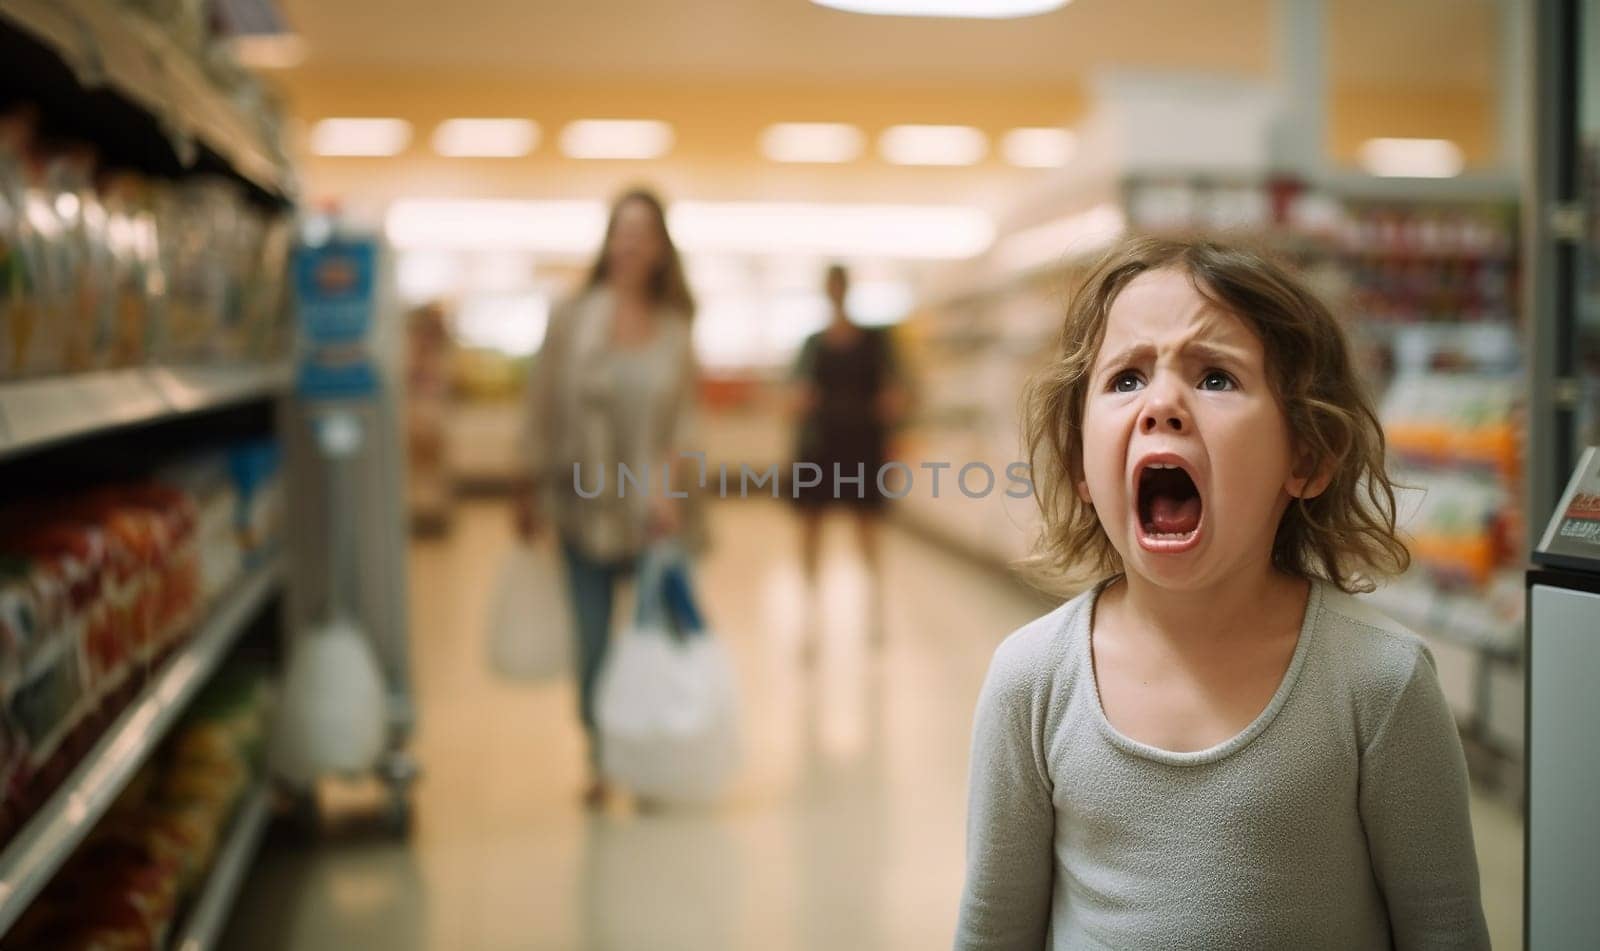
(668, 707)
(530, 631)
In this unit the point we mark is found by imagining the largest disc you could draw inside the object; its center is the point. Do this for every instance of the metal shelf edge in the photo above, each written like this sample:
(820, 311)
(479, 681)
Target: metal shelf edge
(206, 920)
(38, 850)
(45, 412)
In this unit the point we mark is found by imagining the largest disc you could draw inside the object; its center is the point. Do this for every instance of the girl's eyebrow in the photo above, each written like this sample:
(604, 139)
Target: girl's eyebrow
(1220, 353)
(1133, 352)
(1192, 349)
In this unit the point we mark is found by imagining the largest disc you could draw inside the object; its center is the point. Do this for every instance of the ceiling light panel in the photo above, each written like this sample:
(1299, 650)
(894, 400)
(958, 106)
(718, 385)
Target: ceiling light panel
(822, 142)
(485, 138)
(734, 228)
(616, 139)
(923, 232)
(1412, 158)
(976, 9)
(360, 137)
(1038, 148)
(572, 227)
(933, 145)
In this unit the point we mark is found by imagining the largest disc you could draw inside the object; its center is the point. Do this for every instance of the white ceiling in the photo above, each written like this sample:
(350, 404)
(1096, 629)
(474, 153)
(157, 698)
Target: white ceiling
(1417, 42)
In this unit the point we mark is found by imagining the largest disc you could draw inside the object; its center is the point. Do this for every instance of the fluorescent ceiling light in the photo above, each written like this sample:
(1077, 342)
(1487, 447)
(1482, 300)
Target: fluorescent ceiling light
(879, 303)
(485, 138)
(616, 139)
(933, 145)
(986, 9)
(1038, 148)
(1412, 158)
(1057, 241)
(360, 136)
(426, 275)
(811, 142)
(557, 227)
(512, 324)
(739, 229)
(936, 232)
(268, 50)
(502, 272)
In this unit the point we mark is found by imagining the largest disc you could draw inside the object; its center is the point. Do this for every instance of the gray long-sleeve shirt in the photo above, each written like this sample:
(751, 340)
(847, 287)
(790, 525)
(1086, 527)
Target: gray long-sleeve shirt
(1337, 819)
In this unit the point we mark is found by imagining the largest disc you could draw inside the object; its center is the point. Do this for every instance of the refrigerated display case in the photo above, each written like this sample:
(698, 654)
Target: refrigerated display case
(1563, 225)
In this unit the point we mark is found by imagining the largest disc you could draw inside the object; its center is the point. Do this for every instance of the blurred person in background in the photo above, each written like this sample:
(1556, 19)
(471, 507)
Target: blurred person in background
(429, 383)
(848, 396)
(613, 383)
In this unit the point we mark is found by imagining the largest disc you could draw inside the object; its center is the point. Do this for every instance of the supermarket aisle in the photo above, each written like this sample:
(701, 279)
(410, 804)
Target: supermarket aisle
(844, 833)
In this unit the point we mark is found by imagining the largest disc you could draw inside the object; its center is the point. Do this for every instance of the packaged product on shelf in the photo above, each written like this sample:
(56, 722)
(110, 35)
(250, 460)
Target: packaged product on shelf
(141, 865)
(50, 695)
(266, 295)
(90, 318)
(131, 245)
(1454, 420)
(53, 285)
(18, 307)
(183, 239)
(159, 524)
(36, 292)
(19, 629)
(90, 555)
(209, 483)
(217, 208)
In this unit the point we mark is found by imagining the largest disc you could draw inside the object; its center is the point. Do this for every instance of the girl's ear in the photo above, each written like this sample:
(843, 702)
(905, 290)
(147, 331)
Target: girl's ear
(1080, 484)
(1309, 480)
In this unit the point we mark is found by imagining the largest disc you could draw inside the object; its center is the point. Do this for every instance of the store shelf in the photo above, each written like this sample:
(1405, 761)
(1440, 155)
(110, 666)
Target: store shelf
(209, 916)
(49, 838)
(35, 414)
(118, 49)
(1456, 620)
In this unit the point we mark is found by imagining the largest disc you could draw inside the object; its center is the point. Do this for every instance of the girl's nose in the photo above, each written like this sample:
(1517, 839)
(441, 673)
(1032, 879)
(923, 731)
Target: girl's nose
(1163, 411)
(1152, 422)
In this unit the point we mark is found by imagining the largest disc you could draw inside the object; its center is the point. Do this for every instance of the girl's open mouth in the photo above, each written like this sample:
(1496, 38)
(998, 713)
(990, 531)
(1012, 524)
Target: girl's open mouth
(1169, 508)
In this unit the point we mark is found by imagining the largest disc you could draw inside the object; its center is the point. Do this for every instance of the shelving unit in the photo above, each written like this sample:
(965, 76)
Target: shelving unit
(209, 916)
(36, 414)
(100, 75)
(108, 47)
(48, 839)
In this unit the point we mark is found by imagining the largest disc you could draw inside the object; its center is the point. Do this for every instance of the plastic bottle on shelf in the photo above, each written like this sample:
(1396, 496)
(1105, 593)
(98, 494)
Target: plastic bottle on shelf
(89, 320)
(129, 247)
(27, 296)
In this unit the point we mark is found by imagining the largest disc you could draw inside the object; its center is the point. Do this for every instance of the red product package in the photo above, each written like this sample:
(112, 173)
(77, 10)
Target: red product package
(158, 523)
(82, 559)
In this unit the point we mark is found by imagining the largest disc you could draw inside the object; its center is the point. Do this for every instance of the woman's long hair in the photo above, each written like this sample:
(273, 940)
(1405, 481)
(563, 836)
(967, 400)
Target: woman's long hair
(668, 288)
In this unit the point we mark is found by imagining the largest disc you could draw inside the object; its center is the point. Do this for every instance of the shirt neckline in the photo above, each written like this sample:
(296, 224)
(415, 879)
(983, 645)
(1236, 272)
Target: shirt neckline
(1226, 748)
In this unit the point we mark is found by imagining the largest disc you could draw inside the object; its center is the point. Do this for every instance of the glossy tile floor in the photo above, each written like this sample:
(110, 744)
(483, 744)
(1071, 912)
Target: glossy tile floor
(844, 832)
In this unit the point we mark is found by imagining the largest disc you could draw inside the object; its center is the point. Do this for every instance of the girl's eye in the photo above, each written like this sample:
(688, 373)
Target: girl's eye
(1126, 382)
(1217, 380)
